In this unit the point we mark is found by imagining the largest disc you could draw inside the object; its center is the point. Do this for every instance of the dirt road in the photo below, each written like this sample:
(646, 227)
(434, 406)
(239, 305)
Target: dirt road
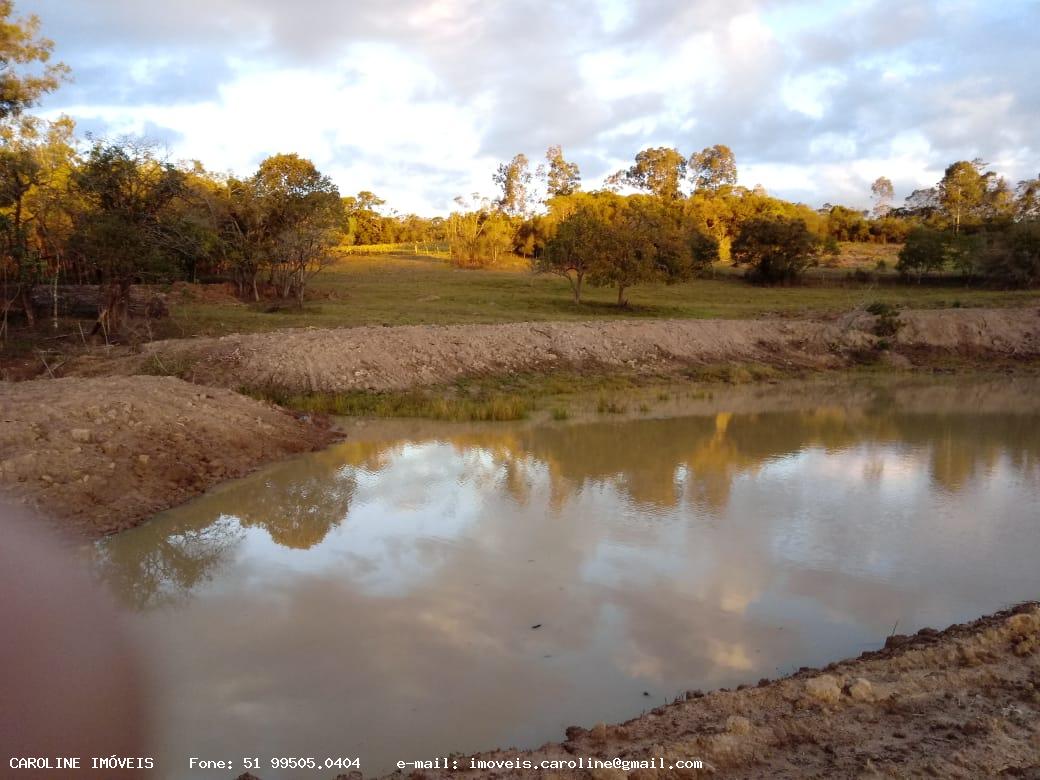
(100, 455)
(395, 358)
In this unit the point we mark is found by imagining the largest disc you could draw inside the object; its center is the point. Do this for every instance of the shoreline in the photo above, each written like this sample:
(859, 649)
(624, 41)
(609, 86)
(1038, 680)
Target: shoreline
(961, 702)
(400, 358)
(101, 455)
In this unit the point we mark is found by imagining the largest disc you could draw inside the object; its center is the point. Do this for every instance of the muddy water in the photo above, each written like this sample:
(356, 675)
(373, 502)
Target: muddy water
(380, 599)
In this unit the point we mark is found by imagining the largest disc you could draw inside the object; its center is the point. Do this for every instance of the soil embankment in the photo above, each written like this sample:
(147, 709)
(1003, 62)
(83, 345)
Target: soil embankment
(101, 455)
(397, 358)
(964, 702)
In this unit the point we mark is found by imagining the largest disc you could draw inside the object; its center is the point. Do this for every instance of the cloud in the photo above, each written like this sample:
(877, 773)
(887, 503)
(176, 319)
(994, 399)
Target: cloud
(418, 100)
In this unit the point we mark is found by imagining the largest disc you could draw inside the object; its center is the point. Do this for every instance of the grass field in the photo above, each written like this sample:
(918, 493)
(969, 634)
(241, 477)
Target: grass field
(406, 289)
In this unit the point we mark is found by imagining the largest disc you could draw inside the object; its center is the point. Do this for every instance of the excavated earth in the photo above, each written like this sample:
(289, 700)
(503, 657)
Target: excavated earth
(396, 358)
(100, 455)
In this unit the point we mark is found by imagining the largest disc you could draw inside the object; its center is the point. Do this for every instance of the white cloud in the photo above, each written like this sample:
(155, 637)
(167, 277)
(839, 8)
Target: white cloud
(417, 100)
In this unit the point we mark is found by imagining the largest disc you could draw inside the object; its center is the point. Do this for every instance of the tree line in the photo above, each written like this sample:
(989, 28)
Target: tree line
(114, 213)
(687, 212)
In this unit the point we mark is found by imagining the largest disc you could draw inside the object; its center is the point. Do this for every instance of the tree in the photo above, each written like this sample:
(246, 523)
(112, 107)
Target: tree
(713, 168)
(574, 249)
(365, 225)
(845, 224)
(648, 241)
(121, 232)
(883, 193)
(302, 220)
(480, 236)
(777, 249)
(713, 214)
(962, 191)
(658, 170)
(1013, 256)
(580, 239)
(513, 178)
(562, 177)
(998, 201)
(1027, 199)
(21, 45)
(926, 251)
(922, 203)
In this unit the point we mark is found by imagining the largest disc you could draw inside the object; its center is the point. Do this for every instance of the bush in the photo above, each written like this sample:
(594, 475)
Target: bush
(1012, 258)
(778, 250)
(888, 322)
(924, 252)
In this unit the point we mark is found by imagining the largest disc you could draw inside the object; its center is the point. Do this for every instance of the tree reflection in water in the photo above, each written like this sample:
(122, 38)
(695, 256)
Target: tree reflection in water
(297, 503)
(654, 463)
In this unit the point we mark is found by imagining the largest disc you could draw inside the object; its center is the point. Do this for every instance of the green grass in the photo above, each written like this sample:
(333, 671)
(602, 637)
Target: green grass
(432, 405)
(404, 289)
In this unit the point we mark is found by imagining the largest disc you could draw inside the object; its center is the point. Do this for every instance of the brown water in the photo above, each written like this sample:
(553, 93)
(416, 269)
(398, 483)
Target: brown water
(378, 599)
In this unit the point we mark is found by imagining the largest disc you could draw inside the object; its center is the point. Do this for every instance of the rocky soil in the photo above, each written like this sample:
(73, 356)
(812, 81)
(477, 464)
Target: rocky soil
(395, 358)
(963, 703)
(100, 455)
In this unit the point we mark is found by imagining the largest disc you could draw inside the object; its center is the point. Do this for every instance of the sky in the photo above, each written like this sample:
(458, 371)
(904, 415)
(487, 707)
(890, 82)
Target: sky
(419, 100)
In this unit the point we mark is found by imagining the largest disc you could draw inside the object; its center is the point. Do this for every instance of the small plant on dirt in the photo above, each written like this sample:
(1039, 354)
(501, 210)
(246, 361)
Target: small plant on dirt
(888, 322)
(879, 308)
(560, 413)
(610, 406)
(167, 365)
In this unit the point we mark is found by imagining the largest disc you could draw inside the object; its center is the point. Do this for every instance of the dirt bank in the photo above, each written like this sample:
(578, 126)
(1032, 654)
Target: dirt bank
(102, 454)
(396, 358)
(961, 703)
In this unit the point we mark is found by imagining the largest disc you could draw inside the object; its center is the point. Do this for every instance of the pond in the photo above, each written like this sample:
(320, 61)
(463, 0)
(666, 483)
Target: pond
(424, 588)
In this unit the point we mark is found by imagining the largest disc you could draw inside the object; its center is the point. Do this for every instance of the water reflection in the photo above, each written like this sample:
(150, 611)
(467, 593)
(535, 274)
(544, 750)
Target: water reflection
(344, 601)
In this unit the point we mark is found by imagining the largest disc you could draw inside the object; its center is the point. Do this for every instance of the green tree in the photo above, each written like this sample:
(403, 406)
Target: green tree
(21, 48)
(648, 240)
(659, 171)
(845, 224)
(365, 225)
(303, 219)
(962, 192)
(926, 251)
(777, 249)
(713, 168)
(479, 237)
(562, 177)
(1012, 257)
(998, 206)
(121, 232)
(581, 239)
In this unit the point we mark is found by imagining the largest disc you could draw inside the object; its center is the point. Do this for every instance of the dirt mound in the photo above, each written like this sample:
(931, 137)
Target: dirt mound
(394, 358)
(103, 454)
(961, 703)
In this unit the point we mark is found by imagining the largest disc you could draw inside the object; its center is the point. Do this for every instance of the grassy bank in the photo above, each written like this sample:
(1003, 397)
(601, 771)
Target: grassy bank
(562, 395)
(404, 289)
(518, 396)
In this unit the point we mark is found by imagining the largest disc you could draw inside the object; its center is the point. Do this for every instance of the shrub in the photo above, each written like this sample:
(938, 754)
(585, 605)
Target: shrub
(1012, 258)
(887, 324)
(924, 252)
(777, 250)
